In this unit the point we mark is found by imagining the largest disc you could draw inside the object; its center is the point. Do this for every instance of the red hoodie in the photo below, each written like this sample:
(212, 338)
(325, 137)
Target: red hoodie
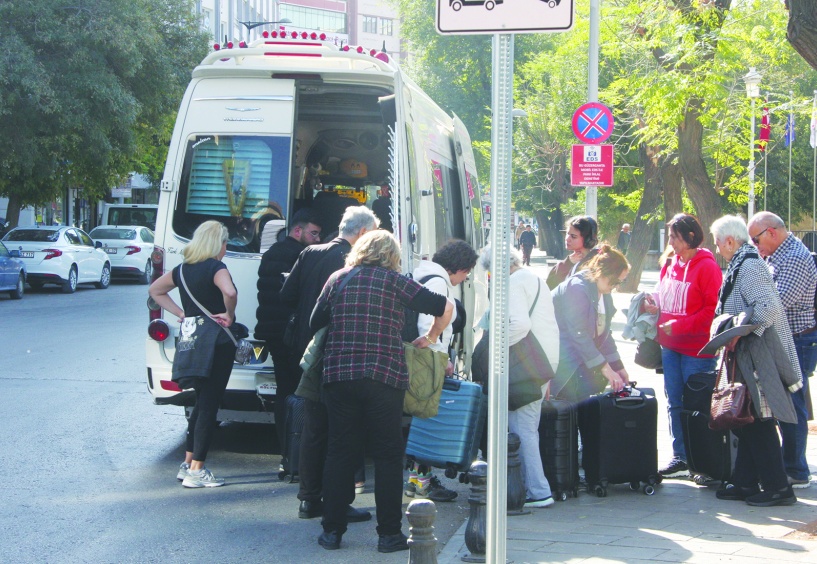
(688, 293)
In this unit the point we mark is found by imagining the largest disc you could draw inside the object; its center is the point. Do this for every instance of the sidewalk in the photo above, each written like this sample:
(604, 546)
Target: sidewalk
(682, 522)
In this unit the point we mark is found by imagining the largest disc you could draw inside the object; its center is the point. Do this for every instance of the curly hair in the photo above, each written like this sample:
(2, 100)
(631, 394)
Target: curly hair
(206, 242)
(456, 255)
(375, 248)
(608, 263)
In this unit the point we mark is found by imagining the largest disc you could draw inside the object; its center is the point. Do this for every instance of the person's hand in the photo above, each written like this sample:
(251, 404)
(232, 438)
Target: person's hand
(223, 319)
(421, 342)
(449, 370)
(615, 379)
(667, 326)
(730, 346)
(624, 376)
(649, 306)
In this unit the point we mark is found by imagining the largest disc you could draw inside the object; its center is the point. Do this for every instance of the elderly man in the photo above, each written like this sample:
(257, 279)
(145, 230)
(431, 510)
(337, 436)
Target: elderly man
(795, 276)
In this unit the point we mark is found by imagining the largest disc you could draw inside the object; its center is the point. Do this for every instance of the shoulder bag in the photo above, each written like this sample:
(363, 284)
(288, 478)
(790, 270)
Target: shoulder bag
(528, 368)
(731, 406)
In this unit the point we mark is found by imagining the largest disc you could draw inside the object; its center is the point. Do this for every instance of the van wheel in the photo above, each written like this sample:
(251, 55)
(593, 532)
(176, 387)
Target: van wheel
(145, 278)
(489, 5)
(70, 286)
(457, 6)
(105, 277)
(18, 291)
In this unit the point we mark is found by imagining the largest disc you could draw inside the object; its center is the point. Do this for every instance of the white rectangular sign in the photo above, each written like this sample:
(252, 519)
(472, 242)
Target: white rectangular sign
(496, 16)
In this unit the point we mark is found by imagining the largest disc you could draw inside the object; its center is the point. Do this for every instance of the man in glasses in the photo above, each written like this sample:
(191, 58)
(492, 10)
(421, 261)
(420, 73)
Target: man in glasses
(272, 315)
(795, 276)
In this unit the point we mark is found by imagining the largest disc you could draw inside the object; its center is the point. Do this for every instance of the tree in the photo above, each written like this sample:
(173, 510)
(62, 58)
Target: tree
(802, 29)
(86, 88)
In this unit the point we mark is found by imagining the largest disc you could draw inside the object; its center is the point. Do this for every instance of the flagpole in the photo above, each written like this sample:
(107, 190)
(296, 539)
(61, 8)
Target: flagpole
(791, 142)
(814, 174)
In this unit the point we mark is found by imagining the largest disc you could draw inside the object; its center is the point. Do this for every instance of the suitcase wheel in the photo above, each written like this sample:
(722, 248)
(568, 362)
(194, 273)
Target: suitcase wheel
(649, 490)
(465, 478)
(600, 491)
(282, 475)
(634, 486)
(562, 496)
(450, 473)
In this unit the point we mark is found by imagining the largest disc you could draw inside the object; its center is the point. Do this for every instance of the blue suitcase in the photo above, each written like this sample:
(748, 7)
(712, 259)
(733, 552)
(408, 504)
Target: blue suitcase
(451, 438)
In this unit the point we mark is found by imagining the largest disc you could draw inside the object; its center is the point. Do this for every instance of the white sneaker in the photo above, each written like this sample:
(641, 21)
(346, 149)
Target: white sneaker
(184, 468)
(201, 479)
(547, 502)
(800, 484)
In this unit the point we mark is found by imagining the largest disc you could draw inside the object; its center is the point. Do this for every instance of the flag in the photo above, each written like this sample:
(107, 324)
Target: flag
(788, 138)
(765, 131)
(813, 138)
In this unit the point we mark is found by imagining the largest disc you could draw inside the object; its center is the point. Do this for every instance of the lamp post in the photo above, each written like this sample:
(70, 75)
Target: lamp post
(752, 80)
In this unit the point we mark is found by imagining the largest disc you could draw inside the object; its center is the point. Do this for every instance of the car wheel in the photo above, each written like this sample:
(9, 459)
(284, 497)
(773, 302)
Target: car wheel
(145, 278)
(105, 278)
(18, 292)
(70, 286)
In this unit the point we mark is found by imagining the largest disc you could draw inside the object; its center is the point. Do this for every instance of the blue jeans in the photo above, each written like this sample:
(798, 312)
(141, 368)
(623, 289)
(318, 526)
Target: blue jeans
(677, 370)
(795, 435)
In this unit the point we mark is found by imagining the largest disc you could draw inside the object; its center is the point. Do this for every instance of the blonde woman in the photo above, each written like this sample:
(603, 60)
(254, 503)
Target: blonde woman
(365, 379)
(210, 282)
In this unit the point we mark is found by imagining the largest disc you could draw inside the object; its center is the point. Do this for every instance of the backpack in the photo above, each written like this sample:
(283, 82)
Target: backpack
(410, 333)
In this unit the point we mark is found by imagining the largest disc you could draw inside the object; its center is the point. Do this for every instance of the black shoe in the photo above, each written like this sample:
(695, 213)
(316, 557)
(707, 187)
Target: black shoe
(392, 543)
(676, 468)
(736, 493)
(768, 499)
(357, 515)
(310, 509)
(330, 540)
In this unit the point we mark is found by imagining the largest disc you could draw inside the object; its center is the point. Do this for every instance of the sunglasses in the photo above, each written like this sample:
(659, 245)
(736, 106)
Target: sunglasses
(756, 238)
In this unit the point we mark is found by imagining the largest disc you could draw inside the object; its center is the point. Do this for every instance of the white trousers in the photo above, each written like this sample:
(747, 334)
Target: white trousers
(525, 423)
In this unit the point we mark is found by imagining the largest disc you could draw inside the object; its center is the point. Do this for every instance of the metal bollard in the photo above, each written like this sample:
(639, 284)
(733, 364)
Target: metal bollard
(475, 530)
(516, 479)
(422, 542)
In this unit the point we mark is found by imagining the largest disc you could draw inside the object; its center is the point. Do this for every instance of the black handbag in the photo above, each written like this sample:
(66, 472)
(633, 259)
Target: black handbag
(528, 368)
(648, 354)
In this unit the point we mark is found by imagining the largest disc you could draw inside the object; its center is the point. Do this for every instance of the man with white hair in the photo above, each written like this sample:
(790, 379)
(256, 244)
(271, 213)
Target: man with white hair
(795, 276)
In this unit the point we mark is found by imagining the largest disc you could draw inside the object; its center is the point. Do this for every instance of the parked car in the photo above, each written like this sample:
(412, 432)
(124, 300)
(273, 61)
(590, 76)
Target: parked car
(65, 256)
(129, 248)
(12, 274)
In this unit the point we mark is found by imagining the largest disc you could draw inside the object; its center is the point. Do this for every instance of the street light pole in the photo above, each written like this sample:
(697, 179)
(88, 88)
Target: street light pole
(752, 80)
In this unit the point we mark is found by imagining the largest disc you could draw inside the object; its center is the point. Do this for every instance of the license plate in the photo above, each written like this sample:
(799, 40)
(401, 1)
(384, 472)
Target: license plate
(26, 254)
(110, 251)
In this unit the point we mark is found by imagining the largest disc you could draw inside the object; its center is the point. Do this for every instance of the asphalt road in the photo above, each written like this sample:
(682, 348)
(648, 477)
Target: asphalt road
(88, 463)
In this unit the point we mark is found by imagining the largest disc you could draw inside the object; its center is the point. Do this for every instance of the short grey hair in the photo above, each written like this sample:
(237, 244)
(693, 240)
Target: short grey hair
(485, 258)
(730, 226)
(356, 218)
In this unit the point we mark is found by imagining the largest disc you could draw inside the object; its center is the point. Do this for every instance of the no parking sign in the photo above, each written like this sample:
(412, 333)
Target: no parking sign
(593, 123)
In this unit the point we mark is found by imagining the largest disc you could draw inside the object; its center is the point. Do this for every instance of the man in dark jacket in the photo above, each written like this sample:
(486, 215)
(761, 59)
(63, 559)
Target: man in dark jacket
(527, 240)
(301, 291)
(272, 315)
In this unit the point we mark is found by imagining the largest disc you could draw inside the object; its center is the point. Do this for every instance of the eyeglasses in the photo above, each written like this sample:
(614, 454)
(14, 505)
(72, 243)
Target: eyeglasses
(756, 238)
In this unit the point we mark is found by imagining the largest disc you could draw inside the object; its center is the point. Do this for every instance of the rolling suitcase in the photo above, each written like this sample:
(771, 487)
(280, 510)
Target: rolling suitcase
(709, 453)
(619, 441)
(559, 448)
(294, 428)
(450, 439)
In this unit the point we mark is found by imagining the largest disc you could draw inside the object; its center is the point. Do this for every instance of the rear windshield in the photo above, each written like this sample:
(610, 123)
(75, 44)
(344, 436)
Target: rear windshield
(37, 235)
(240, 181)
(146, 217)
(113, 234)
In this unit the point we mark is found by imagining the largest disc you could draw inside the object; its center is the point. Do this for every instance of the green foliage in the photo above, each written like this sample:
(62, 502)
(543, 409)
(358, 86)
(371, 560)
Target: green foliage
(87, 90)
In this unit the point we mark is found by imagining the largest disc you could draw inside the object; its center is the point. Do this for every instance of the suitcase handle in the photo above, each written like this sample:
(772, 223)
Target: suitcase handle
(630, 402)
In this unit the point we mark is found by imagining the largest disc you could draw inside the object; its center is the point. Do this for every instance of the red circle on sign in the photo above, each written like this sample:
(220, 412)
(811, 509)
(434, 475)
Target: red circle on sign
(592, 123)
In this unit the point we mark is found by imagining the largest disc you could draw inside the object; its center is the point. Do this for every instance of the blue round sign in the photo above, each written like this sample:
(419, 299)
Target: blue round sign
(593, 123)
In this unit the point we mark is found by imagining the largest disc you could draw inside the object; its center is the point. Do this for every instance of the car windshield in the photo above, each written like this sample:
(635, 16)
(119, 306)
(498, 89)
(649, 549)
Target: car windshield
(104, 233)
(37, 235)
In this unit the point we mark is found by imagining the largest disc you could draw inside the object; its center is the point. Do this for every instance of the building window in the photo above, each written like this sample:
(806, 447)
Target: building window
(369, 24)
(386, 26)
(312, 18)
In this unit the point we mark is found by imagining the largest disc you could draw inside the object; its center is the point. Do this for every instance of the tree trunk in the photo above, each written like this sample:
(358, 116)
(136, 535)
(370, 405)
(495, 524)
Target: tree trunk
(699, 186)
(13, 210)
(802, 29)
(673, 188)
(642, 233)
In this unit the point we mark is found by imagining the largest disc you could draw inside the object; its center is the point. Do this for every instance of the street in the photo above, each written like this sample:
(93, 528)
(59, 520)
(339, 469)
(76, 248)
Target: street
(89, 463)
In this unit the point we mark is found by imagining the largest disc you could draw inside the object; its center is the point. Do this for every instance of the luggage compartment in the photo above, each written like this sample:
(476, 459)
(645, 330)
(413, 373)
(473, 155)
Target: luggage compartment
(450, 439)
(619, 442)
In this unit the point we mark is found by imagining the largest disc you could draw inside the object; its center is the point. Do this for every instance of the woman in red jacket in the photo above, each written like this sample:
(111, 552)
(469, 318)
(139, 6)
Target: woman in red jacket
(687, 296)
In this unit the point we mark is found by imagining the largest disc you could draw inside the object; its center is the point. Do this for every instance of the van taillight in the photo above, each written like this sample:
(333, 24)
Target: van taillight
(158, 330)
(52, 253)
(170, 386)
(157, 259)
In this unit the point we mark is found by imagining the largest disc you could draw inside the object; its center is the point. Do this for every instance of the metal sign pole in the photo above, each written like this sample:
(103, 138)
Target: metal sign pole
(501, 137)
(591, 192)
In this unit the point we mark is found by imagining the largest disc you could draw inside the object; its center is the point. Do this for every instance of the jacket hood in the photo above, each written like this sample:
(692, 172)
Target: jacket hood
(703, 254)
(427, 267)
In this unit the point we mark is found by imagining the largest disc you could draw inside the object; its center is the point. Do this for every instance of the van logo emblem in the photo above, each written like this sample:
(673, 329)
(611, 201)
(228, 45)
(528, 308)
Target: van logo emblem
(243, 109)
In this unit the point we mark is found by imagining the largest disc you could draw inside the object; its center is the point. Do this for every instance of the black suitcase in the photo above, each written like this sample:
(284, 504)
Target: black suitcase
(709, 453)
(294, 428)
(619, 441)
(559, 448)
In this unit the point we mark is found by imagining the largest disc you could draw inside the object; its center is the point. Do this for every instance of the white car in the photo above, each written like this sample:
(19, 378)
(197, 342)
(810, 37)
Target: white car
(65, 256)
(129, 248)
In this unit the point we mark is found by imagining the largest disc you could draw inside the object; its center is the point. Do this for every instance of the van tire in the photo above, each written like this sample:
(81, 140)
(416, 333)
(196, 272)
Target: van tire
(70, 286)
